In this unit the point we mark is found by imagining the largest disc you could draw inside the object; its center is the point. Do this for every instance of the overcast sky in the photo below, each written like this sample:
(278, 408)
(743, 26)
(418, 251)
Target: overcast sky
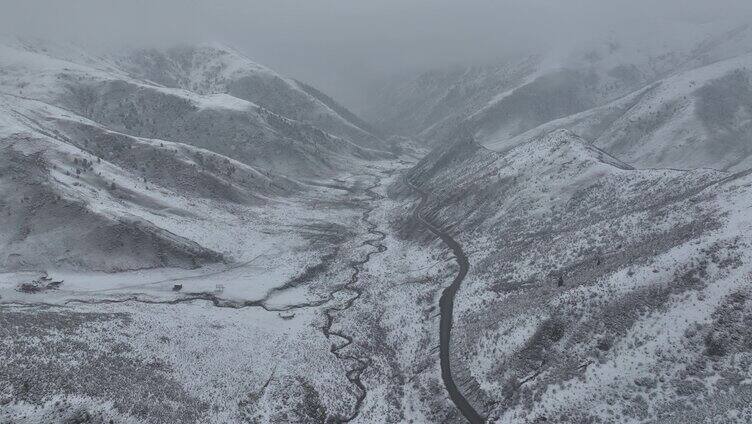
(341, 46)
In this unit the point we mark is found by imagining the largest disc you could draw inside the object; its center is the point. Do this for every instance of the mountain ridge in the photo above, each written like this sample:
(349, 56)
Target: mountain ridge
(139, 156)
(506, 103)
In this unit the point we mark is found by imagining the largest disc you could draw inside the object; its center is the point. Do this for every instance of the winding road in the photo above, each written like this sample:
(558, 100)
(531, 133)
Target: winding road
(446, 307)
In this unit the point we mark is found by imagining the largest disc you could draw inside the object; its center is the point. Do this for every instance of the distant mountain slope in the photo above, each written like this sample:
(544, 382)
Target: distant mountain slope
(105, 170)
(697, 118)
(649, 104)
(441, 98)
(230, 125)
(593, 285)
(213, 69)
(332, 104)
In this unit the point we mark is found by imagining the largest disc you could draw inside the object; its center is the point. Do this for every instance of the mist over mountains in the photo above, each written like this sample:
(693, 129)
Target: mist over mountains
(649, 105)
(342, 47)
(521, 229)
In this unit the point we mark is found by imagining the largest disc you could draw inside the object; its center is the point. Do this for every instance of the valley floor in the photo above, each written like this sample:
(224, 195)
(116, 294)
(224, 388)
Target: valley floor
(403, 305)
(344, 327)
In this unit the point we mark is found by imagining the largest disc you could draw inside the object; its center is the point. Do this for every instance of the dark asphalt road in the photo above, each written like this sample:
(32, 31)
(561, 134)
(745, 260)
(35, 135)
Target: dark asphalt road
(446, 307)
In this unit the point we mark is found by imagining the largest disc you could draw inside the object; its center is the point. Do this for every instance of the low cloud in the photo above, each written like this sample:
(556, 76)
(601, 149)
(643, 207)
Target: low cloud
(343, 45)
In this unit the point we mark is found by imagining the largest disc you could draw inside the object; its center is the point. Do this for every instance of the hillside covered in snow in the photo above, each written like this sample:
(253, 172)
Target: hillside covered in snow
(597, 292)
(560, 237)
(131, 152)
(652, 104)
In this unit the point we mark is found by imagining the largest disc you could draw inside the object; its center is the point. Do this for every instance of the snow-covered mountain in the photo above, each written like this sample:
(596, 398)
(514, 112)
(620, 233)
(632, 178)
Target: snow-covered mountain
(575, 247)
(213, 69)
(649, 104)
(601, 198)
(594, 287)
(120, 149)
(697, 118)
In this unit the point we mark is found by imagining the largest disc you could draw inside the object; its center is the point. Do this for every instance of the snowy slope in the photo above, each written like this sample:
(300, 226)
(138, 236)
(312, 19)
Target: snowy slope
(592, 283)
(79, 195)
(146, 175)
(680, 102)
(212, 69)
(219, 122)
(698, 118)
(441, 98)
